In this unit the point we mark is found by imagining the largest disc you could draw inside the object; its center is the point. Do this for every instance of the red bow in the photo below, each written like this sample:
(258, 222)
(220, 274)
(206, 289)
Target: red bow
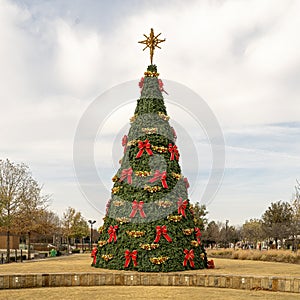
(210, 264)
(124, 142)
(107, 207)
(174, 133)
(144, 145)
(187, 185)
(137, 206)
(161, 86)
(198, 234)
(174, 152)
(94, 255)
(141, 83)
(162, 176)
(189, 256)
(130, 255)
(182, 206)
(162, 230)
(112, 231)
(126, 173)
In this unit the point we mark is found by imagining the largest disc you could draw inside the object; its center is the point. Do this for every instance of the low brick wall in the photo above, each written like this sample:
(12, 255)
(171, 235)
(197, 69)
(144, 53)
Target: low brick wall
(282, 284)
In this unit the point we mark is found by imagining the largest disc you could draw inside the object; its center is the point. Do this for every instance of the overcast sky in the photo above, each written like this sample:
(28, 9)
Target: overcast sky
(241, 57)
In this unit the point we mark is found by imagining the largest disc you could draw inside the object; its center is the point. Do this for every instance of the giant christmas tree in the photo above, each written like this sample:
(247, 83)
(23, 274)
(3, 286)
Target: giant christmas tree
(149, 224)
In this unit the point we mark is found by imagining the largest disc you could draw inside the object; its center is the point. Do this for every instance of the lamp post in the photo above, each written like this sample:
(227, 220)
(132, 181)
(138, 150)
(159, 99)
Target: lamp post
(92, 222)
(226, 230)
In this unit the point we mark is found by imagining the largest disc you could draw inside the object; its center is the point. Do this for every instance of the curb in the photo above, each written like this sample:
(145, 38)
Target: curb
(247, 282)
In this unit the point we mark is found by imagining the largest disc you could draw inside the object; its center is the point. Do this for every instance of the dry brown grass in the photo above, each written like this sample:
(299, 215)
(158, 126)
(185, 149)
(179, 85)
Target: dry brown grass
(142, 292)
(81, 263)
(285, 256)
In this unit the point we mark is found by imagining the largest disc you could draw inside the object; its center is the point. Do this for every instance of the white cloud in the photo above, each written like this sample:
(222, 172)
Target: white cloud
(79, 54)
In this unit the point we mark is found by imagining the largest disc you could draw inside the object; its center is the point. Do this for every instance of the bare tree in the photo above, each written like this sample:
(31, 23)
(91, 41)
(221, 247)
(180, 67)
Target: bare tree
(20, 195)
(74, 225)
(295, 228)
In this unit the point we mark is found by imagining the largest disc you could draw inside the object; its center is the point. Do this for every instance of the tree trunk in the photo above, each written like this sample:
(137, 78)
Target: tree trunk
(28, 251)
(8, 247)
(276, 243)
(68, 245)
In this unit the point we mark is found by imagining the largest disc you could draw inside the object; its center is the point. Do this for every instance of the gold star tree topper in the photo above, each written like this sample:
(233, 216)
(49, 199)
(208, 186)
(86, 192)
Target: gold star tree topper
(152, 42)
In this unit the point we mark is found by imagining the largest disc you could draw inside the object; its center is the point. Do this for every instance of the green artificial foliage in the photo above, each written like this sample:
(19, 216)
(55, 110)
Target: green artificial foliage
(164, 201)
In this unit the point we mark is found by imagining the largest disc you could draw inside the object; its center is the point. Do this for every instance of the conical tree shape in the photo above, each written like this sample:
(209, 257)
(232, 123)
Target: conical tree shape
(149, 223)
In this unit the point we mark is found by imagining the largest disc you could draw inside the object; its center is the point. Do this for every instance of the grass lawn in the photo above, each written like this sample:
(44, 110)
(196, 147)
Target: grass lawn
(141, 292)
(78, 263)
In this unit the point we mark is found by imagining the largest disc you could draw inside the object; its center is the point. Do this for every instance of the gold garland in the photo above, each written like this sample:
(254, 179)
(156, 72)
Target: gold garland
(151, 74)
(194, 243)
(118, 203)
(132, 143)
(150, 130)
(163, 116)
(116, 189)
(133, 118)
(102, 243)
(107, 257)
(175, 218)
(160, 114)
(123, 220)
(152, 189)
(135, 233)
(188, 231)
(142, 173)
(101, 229)
(164, 203)
(149, 246)
(158, 260)
(115, 178)
(159, 149)
(176, 175)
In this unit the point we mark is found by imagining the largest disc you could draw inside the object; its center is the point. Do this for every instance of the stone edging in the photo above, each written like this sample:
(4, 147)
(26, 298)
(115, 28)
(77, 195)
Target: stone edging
(247, 282)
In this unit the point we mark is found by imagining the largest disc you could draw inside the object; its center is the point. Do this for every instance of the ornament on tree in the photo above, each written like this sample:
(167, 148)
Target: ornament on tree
(149, 246)
(182, 206)
(141, 84)
(127, 173)
(174, 152)
(94, 255)
(189, 257)
(135, 233)
(107, 207)
(162, 231)
(198, 234)
(130, 256)
(174, 134)
(124, 142)
(175, 218)
(137, 206)
(107, 257)
(187, 185)
(144, 145)
(160, 176)
(112, 231)
(161, 86)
